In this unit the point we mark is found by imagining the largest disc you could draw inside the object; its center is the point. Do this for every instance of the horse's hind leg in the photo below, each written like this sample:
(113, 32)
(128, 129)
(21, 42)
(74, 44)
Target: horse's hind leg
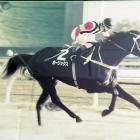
(42, 99)
(124, 95)
(40, 102)
(56, 100)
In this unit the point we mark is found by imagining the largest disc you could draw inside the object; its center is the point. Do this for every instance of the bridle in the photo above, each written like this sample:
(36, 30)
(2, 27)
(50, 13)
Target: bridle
(135, 42)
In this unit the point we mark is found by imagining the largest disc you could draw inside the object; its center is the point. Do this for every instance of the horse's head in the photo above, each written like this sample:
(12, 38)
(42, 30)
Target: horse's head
(135, 49)
(126, 42)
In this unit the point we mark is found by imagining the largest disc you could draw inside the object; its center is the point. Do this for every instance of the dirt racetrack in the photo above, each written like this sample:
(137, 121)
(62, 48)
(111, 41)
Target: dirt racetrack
(18, 118)
(19, 123)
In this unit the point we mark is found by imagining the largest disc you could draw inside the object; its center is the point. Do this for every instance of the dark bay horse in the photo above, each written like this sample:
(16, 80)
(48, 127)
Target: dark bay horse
(95, 70)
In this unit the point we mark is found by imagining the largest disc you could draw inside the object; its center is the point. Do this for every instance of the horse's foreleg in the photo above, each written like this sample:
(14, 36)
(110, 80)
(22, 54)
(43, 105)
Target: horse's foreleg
(56, 100)
(40, 102)
(112, 104)
(124, 95)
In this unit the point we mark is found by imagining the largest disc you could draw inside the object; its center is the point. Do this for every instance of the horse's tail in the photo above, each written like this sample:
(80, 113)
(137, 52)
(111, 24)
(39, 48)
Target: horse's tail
(15, 63)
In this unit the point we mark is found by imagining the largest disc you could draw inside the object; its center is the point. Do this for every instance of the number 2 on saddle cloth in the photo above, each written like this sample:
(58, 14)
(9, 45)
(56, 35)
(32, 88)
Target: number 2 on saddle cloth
(66, 58)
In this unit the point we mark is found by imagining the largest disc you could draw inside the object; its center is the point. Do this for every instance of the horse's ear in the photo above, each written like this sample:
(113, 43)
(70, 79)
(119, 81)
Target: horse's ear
(115, 32)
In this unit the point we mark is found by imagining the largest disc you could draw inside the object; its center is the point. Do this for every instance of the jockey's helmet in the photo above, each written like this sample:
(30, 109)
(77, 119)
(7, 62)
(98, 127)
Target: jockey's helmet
(107, 22)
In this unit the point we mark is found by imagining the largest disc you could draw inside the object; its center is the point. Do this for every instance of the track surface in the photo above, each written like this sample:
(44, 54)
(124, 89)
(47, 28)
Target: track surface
(19, 123)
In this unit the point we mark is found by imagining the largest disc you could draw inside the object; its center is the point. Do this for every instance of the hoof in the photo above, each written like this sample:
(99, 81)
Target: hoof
(52, 107)
(105, 112)
(78, 120)
(39, 123)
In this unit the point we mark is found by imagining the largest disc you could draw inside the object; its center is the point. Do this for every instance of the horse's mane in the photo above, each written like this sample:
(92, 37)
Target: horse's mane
(120, 35)
(135, 32)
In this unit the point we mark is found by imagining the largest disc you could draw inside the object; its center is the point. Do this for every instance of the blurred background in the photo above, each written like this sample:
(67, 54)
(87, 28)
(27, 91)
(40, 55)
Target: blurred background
(27, 26)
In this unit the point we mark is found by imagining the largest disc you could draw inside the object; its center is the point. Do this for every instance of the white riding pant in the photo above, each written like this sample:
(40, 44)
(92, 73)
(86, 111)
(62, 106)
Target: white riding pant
(84, 38)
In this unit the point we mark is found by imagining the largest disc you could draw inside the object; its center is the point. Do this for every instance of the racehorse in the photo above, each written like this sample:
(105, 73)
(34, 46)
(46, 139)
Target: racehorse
(94, 70)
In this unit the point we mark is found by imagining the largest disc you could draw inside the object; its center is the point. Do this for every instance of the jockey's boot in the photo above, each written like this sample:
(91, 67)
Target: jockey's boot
(79, 49)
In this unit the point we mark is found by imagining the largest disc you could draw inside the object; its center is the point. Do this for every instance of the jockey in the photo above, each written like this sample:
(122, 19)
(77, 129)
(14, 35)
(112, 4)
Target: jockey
(83, 34)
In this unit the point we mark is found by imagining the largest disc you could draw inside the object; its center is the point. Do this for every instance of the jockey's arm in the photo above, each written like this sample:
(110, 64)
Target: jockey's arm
(106, 34)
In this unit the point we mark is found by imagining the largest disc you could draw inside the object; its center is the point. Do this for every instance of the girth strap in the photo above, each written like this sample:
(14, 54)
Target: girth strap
(74, 72)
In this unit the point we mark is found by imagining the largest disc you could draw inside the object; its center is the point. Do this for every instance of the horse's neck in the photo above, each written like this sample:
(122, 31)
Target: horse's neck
(112, 56)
